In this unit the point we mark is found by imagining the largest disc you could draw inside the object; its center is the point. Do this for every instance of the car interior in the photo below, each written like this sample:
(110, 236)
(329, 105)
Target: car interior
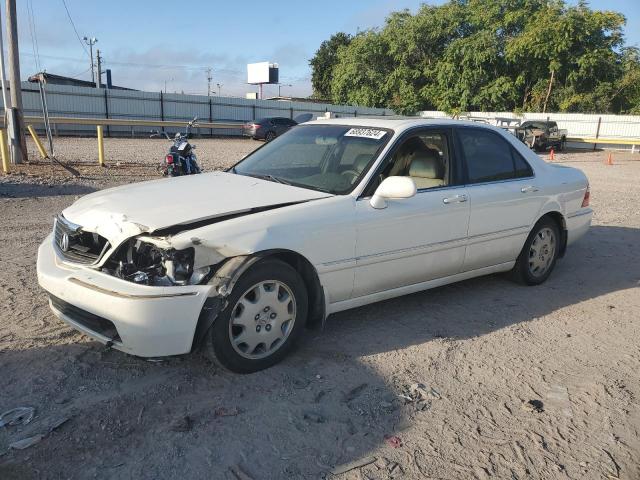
(329, 162)
(424, 158)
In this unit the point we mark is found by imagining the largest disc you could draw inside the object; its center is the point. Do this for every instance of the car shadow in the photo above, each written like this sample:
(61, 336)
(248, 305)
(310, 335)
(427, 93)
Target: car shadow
(604, 261)
(598, 264)
(30, 190)
(325, 405)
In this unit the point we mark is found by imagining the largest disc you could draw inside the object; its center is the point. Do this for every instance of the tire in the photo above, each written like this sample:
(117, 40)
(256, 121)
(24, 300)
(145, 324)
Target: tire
(532, 270)
(562, 145)
(270, 303)
(270, 136)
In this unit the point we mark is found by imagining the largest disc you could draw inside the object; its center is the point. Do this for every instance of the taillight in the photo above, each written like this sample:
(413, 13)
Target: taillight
(169, 159)
(587, 196)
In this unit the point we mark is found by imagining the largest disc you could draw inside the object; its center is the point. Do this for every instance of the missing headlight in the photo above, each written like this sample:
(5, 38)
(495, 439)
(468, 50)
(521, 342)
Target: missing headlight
(146, 264)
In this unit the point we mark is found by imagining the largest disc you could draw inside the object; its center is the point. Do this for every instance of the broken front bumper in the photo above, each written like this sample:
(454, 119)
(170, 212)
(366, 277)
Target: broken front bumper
(142, 320)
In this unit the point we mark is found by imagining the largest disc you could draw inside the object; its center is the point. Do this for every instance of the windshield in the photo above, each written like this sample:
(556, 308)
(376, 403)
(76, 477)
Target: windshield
(538, 125)
(329, 158)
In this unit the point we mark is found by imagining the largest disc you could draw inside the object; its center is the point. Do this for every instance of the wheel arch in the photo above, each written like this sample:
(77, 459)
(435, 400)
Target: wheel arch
(560, 221)
(231, 269)
(315, 291)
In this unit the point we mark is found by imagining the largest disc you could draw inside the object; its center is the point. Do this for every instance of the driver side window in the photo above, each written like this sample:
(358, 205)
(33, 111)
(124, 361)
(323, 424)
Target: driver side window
(424, 157)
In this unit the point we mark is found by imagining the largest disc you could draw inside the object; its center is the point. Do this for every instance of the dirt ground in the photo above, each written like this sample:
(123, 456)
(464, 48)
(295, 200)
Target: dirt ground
(479, 351)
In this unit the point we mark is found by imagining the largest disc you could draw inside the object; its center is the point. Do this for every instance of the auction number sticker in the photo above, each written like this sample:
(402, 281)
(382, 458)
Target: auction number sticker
(366, 133)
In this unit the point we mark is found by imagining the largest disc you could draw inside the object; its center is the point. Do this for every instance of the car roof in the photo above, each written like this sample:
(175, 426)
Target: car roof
(398, 124)
(542, 122)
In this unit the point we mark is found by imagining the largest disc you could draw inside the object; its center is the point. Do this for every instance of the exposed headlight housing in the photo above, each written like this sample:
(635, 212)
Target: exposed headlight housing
(145, 263)
(199, 275)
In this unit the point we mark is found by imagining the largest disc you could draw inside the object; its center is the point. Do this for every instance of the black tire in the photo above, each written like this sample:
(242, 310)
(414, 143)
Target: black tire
(270, 136)
(562, 145)
(522, 271)
(218, 344)
(539, 148)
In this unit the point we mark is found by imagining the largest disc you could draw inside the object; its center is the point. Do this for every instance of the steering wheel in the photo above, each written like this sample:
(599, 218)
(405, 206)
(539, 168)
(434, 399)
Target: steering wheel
(353, 174)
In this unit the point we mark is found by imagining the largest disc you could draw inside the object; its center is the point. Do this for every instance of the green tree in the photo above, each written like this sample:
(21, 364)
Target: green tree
(323, 62)
(489, 55)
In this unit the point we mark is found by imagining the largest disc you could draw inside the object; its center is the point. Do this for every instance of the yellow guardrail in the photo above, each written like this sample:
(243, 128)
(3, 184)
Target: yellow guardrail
(36, 140)
(606, 141)
(231, 125)
(127, 122)
(4, 151)
(99, 123)
(100, 146)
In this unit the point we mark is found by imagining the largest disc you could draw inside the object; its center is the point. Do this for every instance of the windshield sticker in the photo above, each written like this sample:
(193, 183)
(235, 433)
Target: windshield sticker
(366, 133)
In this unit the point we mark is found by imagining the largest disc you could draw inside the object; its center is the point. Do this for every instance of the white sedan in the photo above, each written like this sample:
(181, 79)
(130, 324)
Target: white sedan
(332, 215)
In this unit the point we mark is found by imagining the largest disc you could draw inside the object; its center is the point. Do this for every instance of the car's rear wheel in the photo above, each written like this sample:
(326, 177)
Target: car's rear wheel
(539, 254)
(270, 136)
(265, 314)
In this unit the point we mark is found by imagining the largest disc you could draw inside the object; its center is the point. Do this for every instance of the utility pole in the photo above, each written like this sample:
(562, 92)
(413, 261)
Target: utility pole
(172, 79)
(16, 123)
(91, 41)
(6, 101)
(546, 99)
(209, 78)
(99, 62)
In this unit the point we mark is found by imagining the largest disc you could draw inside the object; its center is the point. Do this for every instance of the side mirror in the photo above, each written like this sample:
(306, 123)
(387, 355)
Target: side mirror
(392, 188)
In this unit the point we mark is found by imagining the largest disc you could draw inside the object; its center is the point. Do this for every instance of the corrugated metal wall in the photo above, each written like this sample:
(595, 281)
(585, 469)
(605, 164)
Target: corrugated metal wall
(577, 124)
(68, 101)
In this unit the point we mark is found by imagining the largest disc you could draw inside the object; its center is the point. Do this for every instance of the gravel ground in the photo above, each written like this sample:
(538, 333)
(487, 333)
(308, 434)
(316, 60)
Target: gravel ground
(482, 379)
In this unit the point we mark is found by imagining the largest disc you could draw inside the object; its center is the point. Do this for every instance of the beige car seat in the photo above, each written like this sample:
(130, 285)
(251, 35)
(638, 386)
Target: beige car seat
(426, 169)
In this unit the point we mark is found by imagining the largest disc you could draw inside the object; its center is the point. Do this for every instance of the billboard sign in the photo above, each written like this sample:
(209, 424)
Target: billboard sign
(262, 72)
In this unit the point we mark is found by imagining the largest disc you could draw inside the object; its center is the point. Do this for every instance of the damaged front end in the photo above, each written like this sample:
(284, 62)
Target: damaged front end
(154, 261)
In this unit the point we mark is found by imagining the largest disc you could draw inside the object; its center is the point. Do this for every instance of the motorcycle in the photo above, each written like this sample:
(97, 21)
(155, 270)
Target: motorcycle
(180, 160)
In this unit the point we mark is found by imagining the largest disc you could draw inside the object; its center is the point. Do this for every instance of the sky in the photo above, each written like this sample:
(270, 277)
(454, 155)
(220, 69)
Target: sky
(152, 44)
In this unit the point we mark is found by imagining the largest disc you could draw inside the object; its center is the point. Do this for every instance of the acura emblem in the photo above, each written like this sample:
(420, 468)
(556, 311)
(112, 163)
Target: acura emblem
(64, 242)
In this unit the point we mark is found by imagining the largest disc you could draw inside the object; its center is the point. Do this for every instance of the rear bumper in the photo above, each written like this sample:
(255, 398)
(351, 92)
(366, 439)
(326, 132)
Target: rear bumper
(253, 133)
(140, 320)
(578, 224)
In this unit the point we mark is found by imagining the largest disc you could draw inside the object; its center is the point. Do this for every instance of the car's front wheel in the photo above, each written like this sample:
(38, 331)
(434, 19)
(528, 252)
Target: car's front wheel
(539, 254)
(562, 146)
(265, 314)
(270, 136)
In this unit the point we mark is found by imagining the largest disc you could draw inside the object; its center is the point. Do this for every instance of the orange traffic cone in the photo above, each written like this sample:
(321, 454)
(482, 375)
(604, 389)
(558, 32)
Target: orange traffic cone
(610, 159)
(552, 155)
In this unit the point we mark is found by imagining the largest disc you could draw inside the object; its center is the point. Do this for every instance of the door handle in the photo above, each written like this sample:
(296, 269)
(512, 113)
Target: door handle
(529, 189)
(455, 199)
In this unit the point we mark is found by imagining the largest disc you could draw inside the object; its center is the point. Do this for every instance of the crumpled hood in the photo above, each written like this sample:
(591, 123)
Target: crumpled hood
(121, 212)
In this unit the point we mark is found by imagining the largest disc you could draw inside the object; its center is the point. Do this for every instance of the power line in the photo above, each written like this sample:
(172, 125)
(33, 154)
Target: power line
(54, 57)
(160, 65)
(141, 65)
(81, 73)
(74, 27)
(34, 36)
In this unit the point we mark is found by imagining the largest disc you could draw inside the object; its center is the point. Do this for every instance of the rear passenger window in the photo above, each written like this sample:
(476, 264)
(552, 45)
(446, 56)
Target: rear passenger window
(490, 158)
(523, 169)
